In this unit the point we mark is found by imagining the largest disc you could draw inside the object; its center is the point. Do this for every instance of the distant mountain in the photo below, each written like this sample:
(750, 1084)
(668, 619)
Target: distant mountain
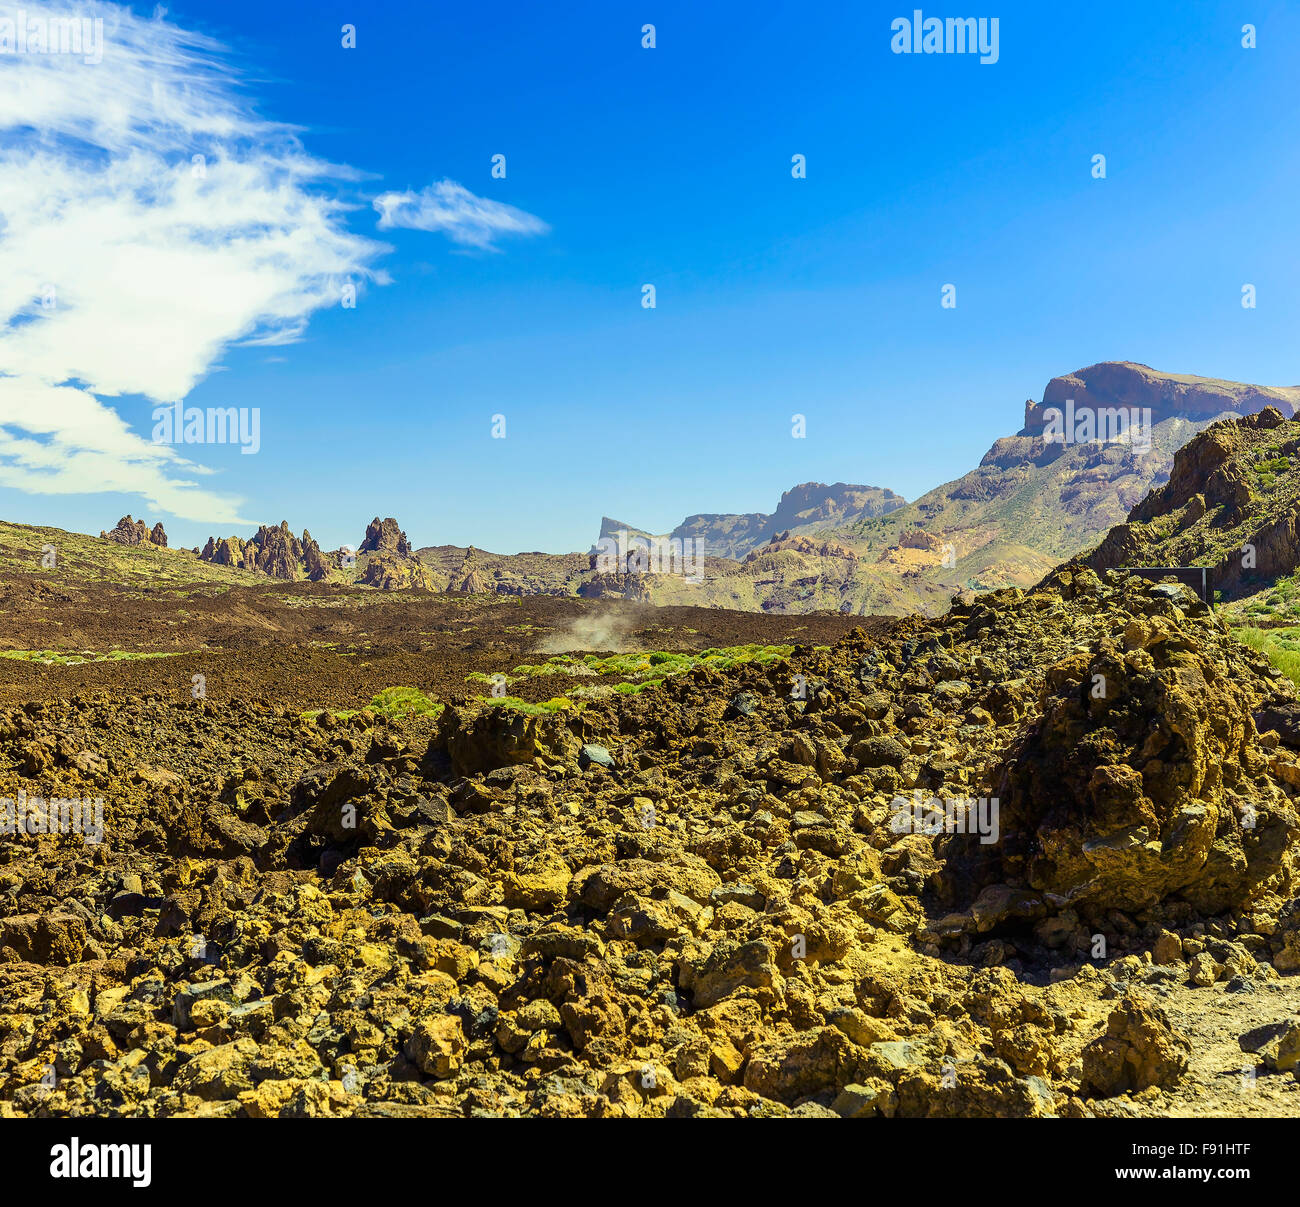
(1035, 498)
(1169, 395)
(1079, 468)
(809, 507)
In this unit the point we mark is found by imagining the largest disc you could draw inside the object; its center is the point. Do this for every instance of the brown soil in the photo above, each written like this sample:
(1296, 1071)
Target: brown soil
(311, 645)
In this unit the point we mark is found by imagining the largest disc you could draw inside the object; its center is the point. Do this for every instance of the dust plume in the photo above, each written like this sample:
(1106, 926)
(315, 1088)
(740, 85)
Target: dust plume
(607, 632)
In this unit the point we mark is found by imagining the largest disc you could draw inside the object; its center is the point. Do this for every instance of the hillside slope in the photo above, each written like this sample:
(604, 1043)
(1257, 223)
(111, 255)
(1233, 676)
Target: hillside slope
(1232, 504)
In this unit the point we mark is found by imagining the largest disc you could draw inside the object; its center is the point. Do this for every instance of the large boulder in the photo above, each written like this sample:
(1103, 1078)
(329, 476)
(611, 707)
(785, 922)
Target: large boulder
(57, 938)
(1138, 1049)
(1139, 781)
(483, 738)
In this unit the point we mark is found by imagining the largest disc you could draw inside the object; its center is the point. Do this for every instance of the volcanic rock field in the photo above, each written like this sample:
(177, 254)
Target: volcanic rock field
(440, 856)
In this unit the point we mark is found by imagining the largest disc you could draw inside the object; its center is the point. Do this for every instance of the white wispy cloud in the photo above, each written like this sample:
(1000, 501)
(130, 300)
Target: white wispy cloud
(127, 266)
(462, 216)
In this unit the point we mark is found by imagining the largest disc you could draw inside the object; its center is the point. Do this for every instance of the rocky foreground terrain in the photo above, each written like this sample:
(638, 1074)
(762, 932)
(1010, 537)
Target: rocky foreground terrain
(708, 895)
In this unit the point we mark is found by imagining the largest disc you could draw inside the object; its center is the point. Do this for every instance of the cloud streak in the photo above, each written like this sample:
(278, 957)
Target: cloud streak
(149, 219)
(464, 217)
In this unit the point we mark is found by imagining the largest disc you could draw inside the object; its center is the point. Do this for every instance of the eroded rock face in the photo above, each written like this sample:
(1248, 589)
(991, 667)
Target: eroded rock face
(136, 532)
(272, 550)
(633, 586)
(1231, 504)
(469, 580)
(224, 551)
(278, 551)
(313, 560)
(392, 564)
(385, 537)
(389, 572)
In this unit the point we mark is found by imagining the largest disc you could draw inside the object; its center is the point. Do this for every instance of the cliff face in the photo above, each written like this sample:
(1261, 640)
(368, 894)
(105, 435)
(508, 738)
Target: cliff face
(1168, 395)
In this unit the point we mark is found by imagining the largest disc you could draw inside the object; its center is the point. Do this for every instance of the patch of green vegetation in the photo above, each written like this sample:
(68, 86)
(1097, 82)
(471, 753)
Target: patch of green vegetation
(631, 689)
(661, 663)
(404, 702)
(561, 664)
(1278, 600)
(651, 665)
(78, 658)
(1281, 647)
(598, 691)
(393, 702)
(339, 714)
(1267, 471)
(531, 708)
(637, 671)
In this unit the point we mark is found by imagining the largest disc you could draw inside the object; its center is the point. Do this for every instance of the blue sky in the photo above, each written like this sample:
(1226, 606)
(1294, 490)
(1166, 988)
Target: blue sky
(775, 296)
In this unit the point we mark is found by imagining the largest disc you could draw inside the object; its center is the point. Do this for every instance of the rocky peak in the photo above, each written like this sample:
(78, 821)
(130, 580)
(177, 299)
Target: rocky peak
(384, 536)
(136, 532)
(313, 560)
(272, 549)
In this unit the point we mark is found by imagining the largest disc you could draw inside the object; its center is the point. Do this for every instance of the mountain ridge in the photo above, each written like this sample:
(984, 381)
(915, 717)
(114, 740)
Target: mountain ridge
(807, 507)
